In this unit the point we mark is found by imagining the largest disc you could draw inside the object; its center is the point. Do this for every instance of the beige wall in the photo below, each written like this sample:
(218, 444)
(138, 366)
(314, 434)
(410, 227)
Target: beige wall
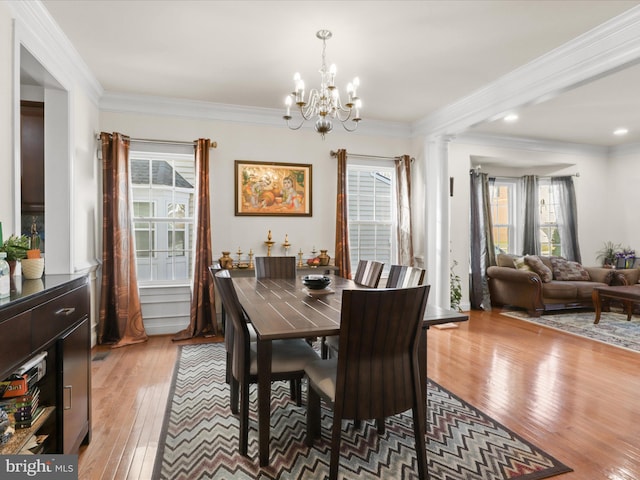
(266, 144)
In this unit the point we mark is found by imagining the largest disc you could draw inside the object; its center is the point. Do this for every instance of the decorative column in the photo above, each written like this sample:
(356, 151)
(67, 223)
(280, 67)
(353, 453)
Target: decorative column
(436, 179)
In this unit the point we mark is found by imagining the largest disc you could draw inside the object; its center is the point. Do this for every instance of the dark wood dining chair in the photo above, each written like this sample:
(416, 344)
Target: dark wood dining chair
(227, 329)
(377, 374)
(275, 267)
(402, 276)
(289, 357)
(368, 273)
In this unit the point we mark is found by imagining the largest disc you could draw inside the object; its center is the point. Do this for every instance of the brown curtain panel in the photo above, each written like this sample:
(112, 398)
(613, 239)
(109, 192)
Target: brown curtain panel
(203, 310)
(120, 320)
(403, 192)
(342, 256)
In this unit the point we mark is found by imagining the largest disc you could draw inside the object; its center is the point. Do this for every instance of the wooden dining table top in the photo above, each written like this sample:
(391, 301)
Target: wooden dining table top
(284, 308)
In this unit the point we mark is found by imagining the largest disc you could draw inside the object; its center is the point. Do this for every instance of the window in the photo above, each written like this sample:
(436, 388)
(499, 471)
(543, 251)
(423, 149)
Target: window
(502, 194)
(505, 195)
(549, 233)
(371, 206)
(163, 209)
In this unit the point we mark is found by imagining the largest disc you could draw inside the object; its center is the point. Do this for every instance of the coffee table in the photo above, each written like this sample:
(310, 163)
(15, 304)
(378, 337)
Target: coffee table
(628, 295)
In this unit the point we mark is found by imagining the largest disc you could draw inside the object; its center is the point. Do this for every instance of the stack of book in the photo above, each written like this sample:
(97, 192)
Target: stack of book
(23, 410)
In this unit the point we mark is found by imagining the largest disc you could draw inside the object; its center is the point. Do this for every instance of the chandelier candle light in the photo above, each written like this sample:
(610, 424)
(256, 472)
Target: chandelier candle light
(324, 103)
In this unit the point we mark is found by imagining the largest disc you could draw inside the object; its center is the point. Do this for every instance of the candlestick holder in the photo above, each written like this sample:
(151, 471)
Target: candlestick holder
(239, 253)
(300, 264)
(286, 245)
(250, 258)
(269, 243)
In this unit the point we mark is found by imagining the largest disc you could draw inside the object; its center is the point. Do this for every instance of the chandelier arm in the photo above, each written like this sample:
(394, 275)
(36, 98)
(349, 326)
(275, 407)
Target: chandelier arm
(348, 112)
(351, 129)
(294, 128)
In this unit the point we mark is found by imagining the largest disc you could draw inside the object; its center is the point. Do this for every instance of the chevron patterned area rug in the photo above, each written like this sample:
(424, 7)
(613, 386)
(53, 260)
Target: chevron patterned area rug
(613, 328)
(199, 438)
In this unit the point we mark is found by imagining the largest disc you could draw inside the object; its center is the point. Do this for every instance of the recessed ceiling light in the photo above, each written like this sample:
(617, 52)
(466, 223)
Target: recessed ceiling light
(510, 118)
(620, 131)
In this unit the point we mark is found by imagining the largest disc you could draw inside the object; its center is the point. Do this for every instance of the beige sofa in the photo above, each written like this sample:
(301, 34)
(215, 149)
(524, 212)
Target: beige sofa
(525, 288)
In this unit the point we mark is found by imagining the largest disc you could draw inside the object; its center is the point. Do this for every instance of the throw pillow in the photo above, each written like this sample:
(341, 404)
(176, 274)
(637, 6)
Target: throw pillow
(564, 269)
(539, 267)
(520, 264)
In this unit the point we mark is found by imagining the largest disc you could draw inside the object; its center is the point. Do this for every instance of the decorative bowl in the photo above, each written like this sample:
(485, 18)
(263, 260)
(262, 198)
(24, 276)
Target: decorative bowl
(316, 282)
(243, 265)
(32, 268)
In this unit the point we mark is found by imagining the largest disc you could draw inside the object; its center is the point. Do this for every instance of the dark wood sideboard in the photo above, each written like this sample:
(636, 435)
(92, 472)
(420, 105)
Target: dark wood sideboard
(51, 315)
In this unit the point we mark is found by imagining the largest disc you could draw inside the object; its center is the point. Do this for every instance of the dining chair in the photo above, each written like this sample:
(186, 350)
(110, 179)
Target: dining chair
(289, 357)
(227, 329)
(367, 274)
(275, 267)
(402, 276)
(377, 373)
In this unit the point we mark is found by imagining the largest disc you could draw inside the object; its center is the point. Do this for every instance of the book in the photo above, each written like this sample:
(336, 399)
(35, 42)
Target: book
(21, 400)
(31, 421)
(21, 416)
(14, 387)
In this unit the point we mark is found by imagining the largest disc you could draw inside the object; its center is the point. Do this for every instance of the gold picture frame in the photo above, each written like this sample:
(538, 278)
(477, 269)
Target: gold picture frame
(272, 189)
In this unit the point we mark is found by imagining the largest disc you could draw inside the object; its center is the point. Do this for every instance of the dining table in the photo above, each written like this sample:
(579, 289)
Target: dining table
(281, 308)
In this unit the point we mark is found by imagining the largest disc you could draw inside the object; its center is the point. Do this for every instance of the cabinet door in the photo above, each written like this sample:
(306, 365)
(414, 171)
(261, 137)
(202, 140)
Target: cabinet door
(74, 374)
(15, 342)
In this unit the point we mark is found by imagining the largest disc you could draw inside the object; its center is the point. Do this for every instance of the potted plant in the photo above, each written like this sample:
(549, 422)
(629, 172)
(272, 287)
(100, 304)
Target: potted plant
(16, 248)
(456, 288)
(608, 253)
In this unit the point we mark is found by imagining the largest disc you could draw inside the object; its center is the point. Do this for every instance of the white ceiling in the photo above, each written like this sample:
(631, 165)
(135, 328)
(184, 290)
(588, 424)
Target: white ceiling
(412, 57)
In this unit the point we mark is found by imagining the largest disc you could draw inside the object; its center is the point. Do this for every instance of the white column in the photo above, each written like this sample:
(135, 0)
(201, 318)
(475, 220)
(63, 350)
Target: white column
(436, 154)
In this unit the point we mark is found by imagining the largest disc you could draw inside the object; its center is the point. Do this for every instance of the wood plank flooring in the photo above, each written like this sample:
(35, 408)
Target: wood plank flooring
(577, 399)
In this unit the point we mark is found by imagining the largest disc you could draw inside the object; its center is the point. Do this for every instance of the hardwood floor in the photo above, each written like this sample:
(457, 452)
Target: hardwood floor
(577, 399)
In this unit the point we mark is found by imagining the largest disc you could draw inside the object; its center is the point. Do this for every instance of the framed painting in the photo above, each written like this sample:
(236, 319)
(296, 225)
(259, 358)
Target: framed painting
(282, 189)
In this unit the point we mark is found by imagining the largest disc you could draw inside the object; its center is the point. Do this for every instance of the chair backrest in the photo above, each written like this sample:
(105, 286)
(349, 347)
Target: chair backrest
(380, 332)
(401, 276)
(368, 273)
(275, 267)
(235, 315)
(228, 326)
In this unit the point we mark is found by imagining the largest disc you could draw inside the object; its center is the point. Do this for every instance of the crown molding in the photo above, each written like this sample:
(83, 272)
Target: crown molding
(43, 38)
(195, 109)
(611, 46)
(624, 150)
(532, 144)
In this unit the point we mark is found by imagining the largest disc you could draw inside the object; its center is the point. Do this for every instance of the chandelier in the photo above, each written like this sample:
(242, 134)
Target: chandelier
(324, 103)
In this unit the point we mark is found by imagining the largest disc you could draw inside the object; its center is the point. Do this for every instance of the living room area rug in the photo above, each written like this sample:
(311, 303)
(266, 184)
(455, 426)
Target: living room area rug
(199, 438)
(613, 328)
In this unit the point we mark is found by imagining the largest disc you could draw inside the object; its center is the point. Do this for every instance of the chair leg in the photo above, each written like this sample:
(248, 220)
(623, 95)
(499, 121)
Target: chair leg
(381, 428)
(324, 349)
(336, 433)
(293, 390)
(234, 395)
(244, 418)
(227, 376)
(299, 392)
(313, 416)
(419, 433)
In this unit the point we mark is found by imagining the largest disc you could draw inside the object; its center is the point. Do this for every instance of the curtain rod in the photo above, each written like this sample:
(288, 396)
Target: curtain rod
(361, 155)
(164, 142)
(477, 170)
